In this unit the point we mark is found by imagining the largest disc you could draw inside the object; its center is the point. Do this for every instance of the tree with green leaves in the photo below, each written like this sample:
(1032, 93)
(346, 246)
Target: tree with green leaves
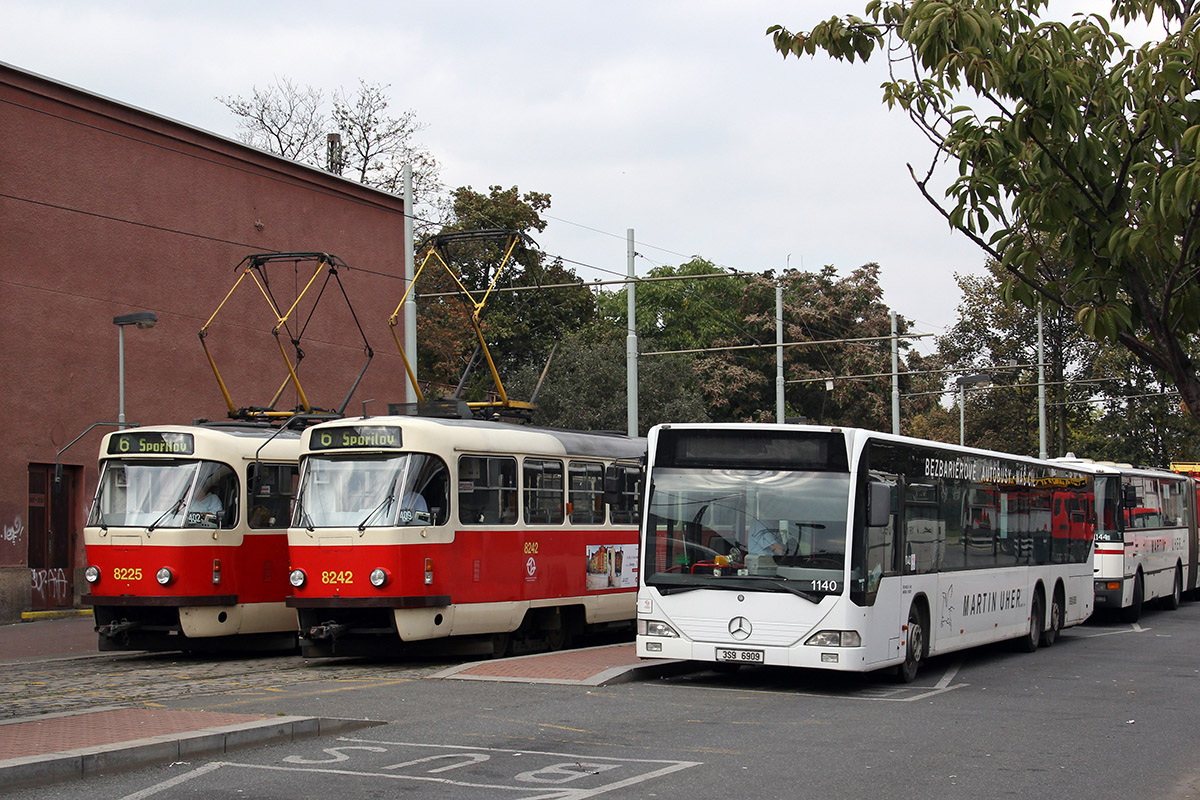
(520, 322)
(733, 317)
(585, 385)
(1062, 133)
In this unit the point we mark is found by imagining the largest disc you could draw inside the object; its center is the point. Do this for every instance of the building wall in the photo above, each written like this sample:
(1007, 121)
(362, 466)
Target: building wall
(106, 209)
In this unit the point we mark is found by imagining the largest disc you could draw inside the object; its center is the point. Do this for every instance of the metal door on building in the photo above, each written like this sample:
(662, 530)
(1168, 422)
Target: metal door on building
(51, 534)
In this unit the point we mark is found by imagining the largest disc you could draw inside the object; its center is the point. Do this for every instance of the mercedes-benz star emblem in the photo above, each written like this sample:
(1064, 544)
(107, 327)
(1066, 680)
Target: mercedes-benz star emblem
(740, 628)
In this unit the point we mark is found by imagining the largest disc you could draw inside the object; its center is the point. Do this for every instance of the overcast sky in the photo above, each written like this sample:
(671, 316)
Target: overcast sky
(677, 119)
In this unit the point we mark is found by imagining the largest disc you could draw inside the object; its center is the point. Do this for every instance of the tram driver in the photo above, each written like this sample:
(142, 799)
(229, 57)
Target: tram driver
(206, 509)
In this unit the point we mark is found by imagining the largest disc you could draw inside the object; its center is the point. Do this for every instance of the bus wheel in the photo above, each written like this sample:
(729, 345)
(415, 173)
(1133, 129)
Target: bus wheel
(1029, 642)
(1171, 601)
(1134, 612)
(914, 648)
(1050, 635)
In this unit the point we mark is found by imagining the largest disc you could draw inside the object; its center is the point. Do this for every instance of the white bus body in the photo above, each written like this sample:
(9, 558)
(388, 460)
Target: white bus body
(1146, 543)
(878, 550)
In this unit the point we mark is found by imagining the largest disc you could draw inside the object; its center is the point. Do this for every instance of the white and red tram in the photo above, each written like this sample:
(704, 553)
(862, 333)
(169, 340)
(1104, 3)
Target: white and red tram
(186, 540)
(410, 530)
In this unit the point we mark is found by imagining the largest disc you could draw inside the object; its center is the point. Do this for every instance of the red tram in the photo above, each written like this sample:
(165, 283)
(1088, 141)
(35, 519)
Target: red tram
(186, 539)
(480, 536)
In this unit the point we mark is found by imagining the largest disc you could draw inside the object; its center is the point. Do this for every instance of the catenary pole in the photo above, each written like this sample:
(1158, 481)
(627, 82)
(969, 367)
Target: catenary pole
(895, 377)
(779, 382)
(1042, 452)
(410, 305)
(631, 374)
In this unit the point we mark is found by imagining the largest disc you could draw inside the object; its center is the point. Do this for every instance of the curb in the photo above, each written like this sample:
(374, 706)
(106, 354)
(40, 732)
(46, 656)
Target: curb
(88, 761)
(621, 673)
(29, 616)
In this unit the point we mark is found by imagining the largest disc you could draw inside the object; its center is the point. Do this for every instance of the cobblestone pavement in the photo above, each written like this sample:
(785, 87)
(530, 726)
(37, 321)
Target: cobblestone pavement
(75, 684)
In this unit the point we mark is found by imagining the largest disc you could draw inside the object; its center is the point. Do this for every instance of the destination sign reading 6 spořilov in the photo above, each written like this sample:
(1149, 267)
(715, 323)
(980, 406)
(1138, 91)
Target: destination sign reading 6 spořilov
(137, 443)
(346, 436)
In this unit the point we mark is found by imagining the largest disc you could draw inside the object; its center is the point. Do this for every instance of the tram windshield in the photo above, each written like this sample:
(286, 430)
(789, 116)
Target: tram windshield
(773, 530)
(375, 492)
(165, 494)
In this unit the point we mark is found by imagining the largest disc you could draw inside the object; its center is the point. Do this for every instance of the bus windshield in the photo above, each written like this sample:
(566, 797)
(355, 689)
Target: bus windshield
(372, 492)
(774, 530)
(165, 494)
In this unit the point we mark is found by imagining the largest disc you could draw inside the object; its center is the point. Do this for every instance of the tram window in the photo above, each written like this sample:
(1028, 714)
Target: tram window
(586, 493)
(272, 489)
(425, 500)
(214, 502)
(626, 509)
(487, 490)
(543, 491)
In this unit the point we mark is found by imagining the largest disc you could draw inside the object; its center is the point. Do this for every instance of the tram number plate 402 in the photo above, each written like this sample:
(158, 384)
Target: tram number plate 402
(740, 656)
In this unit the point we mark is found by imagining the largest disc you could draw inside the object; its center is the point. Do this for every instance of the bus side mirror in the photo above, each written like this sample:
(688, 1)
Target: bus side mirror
(879, 504)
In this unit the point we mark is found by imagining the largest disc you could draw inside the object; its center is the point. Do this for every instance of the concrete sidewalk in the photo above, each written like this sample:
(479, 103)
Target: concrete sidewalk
(590, 666)
(57, 747)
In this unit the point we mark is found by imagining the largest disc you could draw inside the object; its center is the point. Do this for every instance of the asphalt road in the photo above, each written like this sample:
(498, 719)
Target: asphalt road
(1107, 712)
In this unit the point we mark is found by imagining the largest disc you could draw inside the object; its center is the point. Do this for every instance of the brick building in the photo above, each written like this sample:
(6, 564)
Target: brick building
(107, 210)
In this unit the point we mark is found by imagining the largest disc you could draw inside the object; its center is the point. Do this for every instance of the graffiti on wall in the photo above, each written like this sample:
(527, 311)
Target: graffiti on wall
(13, 533)
(51, 584)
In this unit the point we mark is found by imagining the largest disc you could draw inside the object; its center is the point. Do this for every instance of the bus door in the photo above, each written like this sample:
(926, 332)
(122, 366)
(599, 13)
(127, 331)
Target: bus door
(51, 537)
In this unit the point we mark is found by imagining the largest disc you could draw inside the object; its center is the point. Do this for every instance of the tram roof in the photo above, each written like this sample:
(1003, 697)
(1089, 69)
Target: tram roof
(483, 435)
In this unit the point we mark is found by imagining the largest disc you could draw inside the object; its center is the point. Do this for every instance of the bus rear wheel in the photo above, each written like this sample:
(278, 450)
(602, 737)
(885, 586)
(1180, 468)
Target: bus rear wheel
(1050, 635)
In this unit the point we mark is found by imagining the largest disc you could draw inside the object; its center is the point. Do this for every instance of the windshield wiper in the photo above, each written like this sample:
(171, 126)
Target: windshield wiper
(305, 519)
(178, 504)
(362, 526)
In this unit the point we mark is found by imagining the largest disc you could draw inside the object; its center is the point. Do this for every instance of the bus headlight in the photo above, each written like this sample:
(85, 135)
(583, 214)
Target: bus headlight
(378, 577)
(164, 576)
(92, 574)
(654, 627)
(835, 639)
(297, 578)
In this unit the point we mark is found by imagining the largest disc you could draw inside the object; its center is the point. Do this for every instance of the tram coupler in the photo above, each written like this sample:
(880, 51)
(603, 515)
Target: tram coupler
(114, 629)
(328, 630)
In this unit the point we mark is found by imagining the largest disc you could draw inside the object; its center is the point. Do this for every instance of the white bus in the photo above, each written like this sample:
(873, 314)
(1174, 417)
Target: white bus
(845, 549)
(1146, 543)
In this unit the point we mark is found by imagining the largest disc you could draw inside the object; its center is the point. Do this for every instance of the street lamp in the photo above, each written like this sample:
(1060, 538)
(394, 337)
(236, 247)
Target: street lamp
(142, 319)
(963, 381)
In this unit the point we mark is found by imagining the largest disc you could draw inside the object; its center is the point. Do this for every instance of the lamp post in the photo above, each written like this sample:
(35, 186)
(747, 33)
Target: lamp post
(963, 381)
(142, 319)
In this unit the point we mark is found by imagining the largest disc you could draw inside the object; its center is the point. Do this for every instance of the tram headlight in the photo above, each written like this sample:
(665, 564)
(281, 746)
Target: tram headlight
(378, 577)
(92, 574)
(164, 576)
(297, 578)
(834, 639)
(654, 627)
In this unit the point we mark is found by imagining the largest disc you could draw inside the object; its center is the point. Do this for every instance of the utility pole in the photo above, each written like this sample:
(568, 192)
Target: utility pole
(1042, 451)
(631, 375)
(779, 382)
(410, 305)
(895, 377)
